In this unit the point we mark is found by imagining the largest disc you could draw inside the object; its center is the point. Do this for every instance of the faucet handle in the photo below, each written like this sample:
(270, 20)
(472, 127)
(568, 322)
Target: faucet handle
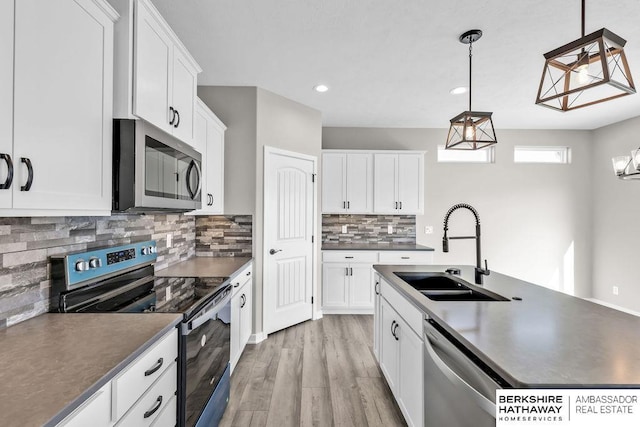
(486, 268)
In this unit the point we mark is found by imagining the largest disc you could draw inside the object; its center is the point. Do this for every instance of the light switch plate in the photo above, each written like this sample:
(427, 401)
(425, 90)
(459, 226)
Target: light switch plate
(167, 294)
(344, 229)
(169, 240)
(428, 229)
(389, 229)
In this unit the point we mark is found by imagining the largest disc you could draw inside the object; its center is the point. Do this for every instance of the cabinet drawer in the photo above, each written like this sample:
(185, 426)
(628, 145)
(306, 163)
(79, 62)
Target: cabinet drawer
(406, 257)
(168, 416)
(407, 311)
(95, 411)
(154, 401)
(350, 256)
(144, 371)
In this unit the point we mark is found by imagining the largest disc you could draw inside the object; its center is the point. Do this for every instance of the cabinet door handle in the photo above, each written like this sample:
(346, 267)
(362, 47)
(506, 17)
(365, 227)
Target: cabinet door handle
(248, 273)
(376, 288)
(392, 325)
(346, 271)
(178, 122)
(154, 368)
(243, 298)
(350, 271)
(394, 332)
(348, 205)
(27, 186)
(155, 407)
(396, 205)
(173, 115)
(9, 180)
(236, 285)
(400, 205)
(344, 205)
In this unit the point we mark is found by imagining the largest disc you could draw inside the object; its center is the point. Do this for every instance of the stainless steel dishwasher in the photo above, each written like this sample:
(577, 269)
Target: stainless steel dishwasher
(458, 391)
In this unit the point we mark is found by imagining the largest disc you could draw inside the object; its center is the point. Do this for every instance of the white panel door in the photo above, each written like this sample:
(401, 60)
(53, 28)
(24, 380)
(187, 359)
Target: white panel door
(183, 97)
(385, 173)
(63, 105)
(388, 345)
(334, 199)
(288, 227)
(359, 183)
(410, 183)
(409, 370)
(335, 285)
(361, 286)
(152, 69)
(6, 101)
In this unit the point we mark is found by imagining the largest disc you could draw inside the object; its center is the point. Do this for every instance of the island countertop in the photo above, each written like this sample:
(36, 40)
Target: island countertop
(549, 339)
(50, 364)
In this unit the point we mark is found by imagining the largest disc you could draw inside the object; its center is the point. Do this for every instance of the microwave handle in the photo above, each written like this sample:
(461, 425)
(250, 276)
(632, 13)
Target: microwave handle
(192, 193)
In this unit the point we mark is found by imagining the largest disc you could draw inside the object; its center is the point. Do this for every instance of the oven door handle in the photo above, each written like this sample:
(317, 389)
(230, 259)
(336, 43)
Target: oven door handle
(205, 316)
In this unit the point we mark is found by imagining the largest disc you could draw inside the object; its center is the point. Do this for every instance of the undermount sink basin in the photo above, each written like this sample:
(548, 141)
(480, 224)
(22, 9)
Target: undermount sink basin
(445, 287)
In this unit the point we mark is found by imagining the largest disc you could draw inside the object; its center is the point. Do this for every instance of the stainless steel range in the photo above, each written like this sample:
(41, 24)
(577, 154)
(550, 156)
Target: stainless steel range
(120, 279)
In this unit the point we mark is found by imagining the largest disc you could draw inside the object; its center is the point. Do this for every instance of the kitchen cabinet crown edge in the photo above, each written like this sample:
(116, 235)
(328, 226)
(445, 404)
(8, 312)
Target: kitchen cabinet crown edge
(206, 110)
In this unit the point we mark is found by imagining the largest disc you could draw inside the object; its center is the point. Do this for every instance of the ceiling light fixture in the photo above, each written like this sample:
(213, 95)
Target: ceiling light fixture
(627, 167)
(587, 71)
(458, 90)
(471, 130)
(321, 88)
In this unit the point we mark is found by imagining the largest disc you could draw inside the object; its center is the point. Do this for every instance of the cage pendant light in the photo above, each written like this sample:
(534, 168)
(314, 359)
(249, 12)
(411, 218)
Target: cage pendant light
(471, 130)
(587, 71)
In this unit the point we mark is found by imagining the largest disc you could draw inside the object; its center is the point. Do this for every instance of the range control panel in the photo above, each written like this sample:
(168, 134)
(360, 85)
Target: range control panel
(84, 267)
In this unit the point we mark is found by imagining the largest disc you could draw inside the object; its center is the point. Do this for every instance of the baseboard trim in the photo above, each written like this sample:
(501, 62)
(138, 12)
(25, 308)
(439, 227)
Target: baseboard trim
(317, 315)
(347, 311)
(256, 338)
(615, 307)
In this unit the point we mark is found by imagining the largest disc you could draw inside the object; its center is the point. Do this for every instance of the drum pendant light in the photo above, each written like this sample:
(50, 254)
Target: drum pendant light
(471, 130)
(587, 71)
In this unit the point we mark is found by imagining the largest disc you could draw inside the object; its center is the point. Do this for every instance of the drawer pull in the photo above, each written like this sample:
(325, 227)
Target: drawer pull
(406, 257)
(153, 369)
(236, 285)
(248, 273)
(349, 257)
(155, 407)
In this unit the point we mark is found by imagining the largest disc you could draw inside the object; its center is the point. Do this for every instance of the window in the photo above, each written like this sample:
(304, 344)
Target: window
(559, 155)
(484, 155)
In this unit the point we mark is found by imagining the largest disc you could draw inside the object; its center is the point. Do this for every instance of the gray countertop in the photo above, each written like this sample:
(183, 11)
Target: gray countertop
(374, 247)
(549, 339)
(205, 267)
(50, 364)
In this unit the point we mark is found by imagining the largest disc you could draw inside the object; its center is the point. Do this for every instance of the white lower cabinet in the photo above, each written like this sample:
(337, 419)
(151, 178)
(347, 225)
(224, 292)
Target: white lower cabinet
(348, 279)
(400, 354)
(376, 316)
(95, 411)
(144, 392)
(241, 313)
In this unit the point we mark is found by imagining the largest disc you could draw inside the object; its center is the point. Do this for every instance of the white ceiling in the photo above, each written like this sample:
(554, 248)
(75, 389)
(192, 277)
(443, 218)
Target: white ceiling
(391, 63)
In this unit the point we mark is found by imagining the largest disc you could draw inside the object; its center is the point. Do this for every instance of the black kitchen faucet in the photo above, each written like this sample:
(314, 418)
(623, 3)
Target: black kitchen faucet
(445, 240)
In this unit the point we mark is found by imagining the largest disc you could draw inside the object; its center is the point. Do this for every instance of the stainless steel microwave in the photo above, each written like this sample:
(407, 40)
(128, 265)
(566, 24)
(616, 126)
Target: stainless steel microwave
(152, 170)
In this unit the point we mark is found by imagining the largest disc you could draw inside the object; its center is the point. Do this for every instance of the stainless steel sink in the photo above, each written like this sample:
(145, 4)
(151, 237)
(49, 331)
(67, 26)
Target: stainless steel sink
(446, 287)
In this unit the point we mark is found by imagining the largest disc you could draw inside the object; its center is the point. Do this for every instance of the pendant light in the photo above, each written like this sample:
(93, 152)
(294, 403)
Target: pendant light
(587, 71)
(471, 130)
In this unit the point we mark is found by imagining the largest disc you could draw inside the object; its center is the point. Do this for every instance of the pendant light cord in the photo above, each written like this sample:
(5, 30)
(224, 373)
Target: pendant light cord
(470, 46)
(583, 14)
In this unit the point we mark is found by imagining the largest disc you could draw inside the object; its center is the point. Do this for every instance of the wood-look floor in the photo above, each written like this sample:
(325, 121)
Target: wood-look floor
(317, 373)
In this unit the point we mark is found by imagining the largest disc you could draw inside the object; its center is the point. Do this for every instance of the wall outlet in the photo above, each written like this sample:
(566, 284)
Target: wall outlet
(344, 229)
(169, 240)
(428, 229)
(389, 229)
(615, 290)
(167, 294)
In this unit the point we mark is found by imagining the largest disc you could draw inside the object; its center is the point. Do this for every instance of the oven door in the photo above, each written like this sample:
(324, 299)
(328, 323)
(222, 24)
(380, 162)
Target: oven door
(205, 370)
(168, 171)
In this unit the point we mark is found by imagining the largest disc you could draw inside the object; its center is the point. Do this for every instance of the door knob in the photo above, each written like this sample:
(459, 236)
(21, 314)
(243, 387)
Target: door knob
(275, 251)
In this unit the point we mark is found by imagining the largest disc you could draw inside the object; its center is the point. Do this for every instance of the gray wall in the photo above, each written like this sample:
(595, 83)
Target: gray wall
(257, 118)
(535, 218)
(616, 218)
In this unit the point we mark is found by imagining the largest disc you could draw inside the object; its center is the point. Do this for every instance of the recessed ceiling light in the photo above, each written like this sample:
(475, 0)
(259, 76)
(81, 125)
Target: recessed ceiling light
(321, 88)
(459, 90)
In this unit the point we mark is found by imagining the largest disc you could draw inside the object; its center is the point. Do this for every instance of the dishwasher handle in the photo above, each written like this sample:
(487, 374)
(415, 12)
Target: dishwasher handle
(455, 379)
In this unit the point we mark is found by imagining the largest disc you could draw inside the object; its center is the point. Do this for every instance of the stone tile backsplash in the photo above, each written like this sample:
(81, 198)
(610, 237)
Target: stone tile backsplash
(27, 243)
(224, 236)
(368, 228)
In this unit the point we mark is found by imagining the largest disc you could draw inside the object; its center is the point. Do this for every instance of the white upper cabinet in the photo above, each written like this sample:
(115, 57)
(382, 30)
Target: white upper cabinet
(62, 106)
(399, 183)
(209, 140)
(347, 182)
(6, 101)
(156, 77)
